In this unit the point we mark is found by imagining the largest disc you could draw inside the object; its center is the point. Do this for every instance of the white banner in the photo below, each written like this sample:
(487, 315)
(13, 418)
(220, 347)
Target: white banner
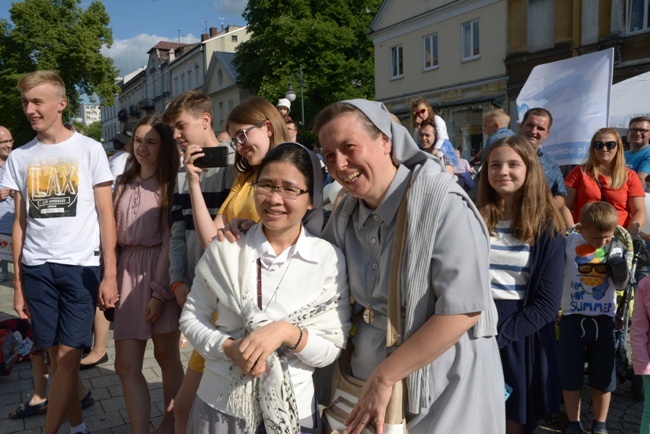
(576, 91)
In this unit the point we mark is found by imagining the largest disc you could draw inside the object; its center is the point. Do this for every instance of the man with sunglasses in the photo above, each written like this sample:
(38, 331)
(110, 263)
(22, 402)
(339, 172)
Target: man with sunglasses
(638, 157)
(536, 127)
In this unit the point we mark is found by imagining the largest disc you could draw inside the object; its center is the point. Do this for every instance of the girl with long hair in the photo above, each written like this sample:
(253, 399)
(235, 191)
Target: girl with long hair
(147, 308)
(526, 274)
(604, 177)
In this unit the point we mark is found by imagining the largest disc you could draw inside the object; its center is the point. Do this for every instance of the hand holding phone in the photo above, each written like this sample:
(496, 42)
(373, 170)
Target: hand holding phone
(213, 157)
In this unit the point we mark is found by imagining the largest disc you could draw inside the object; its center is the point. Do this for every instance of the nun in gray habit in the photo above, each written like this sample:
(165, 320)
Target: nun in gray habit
(454, 379)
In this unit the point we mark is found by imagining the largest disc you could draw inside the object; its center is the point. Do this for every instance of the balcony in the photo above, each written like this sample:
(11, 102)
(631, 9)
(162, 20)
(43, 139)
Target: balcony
(147, 104)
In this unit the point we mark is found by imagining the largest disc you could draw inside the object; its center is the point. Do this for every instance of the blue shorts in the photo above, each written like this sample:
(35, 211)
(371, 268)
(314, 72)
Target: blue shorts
(61, 300)
(587, 339)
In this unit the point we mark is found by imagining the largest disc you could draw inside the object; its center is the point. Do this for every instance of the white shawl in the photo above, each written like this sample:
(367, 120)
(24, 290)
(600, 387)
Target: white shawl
(269, 398)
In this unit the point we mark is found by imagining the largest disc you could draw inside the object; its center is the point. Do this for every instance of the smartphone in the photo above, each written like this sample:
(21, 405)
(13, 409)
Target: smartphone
(214, 157)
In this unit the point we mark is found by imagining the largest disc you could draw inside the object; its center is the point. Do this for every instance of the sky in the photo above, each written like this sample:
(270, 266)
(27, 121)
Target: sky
(138, 25)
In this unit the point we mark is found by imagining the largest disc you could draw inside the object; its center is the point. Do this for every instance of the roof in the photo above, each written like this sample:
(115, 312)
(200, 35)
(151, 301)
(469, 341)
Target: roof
(226, 60)
(166, 46)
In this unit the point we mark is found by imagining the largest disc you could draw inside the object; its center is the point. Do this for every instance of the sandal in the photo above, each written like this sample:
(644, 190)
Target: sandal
(27, 410)
(87, 400)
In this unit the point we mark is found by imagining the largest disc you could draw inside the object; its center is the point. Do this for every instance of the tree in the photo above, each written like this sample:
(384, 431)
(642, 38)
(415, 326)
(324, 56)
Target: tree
(94, 131)
(58, 35)
(328, 38)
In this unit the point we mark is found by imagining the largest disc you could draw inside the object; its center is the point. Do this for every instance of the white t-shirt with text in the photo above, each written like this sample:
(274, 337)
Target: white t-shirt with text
(56, 182)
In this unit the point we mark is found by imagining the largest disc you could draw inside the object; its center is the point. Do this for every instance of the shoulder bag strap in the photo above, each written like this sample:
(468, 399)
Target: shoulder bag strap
(394, 326)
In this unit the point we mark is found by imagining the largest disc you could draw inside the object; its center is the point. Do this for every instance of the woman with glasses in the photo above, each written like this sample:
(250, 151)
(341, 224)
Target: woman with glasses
(421, 111)
(604, 177)
(282, 299)
(255, 126)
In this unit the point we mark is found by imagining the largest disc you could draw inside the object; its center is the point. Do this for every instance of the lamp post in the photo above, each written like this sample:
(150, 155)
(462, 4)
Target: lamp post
(290, 94)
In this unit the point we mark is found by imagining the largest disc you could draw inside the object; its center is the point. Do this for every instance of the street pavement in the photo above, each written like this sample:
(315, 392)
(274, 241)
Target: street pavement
(108, 414)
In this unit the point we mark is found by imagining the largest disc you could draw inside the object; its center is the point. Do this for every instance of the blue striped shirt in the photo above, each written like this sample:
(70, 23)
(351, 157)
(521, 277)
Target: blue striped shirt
(509, 264)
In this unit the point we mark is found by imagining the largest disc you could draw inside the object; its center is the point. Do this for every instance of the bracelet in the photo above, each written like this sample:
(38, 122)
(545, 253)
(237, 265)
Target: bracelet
(176, 285)
(293, 348)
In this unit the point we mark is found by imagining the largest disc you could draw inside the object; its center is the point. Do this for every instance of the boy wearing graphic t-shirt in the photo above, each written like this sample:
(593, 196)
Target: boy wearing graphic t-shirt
(62, 184)
(595, 267)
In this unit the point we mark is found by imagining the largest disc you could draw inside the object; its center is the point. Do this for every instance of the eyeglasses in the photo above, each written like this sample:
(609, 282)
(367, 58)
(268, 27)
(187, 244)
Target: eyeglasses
(264, 189)
(638, 130)
(609, 145)
(241, 136)
(2, 142)
(421, 112)
(588, 268)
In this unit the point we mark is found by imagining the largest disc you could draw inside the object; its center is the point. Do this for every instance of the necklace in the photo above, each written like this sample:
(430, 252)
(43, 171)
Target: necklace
(259, 284)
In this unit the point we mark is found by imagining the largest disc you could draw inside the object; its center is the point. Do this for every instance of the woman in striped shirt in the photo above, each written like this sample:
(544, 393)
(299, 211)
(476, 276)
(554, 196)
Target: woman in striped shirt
(526, 272)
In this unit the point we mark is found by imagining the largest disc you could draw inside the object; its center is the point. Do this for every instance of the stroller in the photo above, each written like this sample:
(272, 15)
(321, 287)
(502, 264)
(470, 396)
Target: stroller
(640, 268)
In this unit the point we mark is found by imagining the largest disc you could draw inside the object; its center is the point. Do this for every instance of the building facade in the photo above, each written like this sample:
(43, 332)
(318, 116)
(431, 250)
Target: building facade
(449, 52)
(222, 86)
(543, 31)
(189, 71)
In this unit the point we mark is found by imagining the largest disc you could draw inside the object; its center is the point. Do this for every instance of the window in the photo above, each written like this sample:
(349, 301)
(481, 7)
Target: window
(189, 79)
(638, 15)
(182, 82)
(470, 41)
(233, 38)
(430, 52)
(396, 62)
(176, 92)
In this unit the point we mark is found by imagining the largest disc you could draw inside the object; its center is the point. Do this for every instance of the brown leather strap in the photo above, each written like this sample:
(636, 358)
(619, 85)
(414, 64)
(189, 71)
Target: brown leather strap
(394, 326)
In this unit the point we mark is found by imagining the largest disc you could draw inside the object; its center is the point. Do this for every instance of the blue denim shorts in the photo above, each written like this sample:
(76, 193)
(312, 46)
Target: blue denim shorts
(61, 300)
(587, 339)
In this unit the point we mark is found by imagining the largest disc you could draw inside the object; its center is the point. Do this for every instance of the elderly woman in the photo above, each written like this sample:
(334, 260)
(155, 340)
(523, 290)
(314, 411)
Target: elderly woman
(604, 177)
(449, 356)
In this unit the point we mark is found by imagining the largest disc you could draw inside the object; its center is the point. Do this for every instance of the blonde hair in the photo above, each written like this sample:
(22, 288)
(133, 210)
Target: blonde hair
(500, 116)
(36, 78)
(533, 210)
(593, 167)
(598, 216)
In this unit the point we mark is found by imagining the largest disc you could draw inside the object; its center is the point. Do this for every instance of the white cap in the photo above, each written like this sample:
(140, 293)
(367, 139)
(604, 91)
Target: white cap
(283, 102)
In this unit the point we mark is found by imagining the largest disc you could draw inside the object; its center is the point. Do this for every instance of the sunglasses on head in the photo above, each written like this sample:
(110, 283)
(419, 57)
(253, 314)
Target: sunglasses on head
(420, 112)
(609, 145)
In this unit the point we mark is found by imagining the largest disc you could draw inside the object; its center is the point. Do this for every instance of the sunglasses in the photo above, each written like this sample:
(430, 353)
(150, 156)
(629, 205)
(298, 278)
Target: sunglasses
(609, 145)
(420, 112)
(588, 268)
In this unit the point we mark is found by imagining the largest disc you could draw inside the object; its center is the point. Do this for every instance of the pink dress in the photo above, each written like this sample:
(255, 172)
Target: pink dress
(143, 264)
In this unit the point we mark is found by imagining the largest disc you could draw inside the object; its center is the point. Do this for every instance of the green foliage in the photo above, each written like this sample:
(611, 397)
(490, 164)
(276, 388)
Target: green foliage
(94, 131)
(328, 38)
(58, 35)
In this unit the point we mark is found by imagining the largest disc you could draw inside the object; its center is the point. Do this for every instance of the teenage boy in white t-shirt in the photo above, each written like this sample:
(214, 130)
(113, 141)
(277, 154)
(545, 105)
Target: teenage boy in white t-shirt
(63, 209)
